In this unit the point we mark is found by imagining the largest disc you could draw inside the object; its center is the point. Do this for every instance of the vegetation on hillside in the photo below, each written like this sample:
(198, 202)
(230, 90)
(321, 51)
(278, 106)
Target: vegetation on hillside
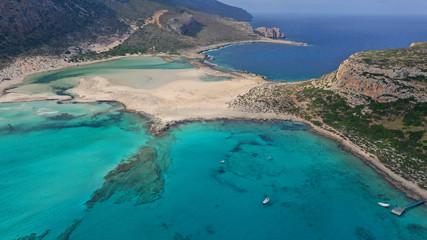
(393, 130)
(217, 8)
(209, 29)
(32, 24)
(51, 27)
(413, 57)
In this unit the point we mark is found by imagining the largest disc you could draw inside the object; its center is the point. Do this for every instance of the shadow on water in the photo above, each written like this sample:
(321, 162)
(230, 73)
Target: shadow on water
(417, 230)
(364, 234)
(217, 176)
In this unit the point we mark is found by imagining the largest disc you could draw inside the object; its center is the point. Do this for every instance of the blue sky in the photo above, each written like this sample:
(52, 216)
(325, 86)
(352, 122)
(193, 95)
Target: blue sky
(334, 6)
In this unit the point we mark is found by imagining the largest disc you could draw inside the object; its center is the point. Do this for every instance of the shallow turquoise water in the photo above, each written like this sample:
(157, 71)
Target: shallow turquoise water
(51, 164)
(124, 71)
(52, 158)
(317, 191)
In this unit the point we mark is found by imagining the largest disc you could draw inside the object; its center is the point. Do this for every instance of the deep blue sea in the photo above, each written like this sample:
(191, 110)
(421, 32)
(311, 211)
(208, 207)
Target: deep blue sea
(198, 180)
(332, 38)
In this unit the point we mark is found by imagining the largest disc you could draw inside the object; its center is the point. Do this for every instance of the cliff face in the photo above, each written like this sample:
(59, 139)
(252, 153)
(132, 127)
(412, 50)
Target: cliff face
(385, 75)
(270, 32)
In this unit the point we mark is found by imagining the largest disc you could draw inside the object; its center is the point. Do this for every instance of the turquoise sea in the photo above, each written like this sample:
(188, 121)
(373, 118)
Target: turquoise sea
(55, 156)
(93, 171)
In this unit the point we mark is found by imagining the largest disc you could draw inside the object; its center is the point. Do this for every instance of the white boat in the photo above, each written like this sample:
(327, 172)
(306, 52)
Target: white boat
(222, 161)
(386, 205)
(266, 201)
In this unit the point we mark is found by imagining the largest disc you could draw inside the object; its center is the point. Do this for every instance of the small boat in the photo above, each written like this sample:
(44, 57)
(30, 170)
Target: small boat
(266, 201)
(222, 161)
(386, 205)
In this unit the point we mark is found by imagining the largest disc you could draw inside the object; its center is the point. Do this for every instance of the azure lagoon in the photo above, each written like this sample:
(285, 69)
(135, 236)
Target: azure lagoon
(54, 158)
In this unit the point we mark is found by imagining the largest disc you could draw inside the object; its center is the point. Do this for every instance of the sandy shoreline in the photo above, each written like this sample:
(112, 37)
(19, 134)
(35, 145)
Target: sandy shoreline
(188, 100)
(197, 52)
(23, 67)
(411, 189)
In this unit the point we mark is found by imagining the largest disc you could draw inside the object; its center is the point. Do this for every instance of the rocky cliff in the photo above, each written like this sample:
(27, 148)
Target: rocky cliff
(385, 75)
(270, 32)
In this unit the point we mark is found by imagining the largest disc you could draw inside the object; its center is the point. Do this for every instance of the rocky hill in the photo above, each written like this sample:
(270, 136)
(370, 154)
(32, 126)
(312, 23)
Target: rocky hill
(30, 24)
(377, 100)
(33, 27)
(270, 32)
(385, 76)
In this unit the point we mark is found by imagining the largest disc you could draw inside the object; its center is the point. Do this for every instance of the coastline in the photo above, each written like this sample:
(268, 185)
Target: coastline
(197, 52)
(160, 125)
(23, 67)
(19, 70)
(410, 189)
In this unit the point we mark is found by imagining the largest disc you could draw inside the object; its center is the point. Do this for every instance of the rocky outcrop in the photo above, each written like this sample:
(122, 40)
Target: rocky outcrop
(270, 32)
(385, 75)
(182, 24)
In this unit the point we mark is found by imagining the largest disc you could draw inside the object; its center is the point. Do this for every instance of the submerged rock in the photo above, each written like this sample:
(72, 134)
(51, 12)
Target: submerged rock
(140, 177)
(34, 236)
(66, 234)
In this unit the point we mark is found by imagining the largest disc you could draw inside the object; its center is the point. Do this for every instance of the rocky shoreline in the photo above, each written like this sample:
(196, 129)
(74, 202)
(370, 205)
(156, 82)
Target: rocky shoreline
(20, 70)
